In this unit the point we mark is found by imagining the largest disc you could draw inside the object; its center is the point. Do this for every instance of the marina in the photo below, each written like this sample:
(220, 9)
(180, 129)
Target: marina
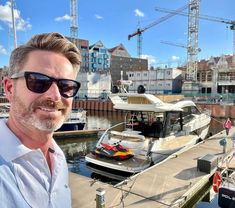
(159, 186)
(85, 178)
(126, 143)
(175, 186)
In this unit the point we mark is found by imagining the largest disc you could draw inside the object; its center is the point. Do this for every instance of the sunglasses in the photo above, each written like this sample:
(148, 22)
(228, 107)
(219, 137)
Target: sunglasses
(40, 83)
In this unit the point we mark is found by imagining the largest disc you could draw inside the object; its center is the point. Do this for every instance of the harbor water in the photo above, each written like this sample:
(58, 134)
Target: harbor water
(76, 149)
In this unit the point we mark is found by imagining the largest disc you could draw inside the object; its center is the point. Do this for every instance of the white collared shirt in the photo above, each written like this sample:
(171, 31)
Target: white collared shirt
(25, 178)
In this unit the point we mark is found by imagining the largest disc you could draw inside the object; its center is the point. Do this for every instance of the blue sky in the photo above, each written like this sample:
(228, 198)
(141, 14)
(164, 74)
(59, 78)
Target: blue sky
(112, 20)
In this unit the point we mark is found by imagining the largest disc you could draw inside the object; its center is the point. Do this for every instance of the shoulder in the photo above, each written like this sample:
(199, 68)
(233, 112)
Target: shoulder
(10, 195)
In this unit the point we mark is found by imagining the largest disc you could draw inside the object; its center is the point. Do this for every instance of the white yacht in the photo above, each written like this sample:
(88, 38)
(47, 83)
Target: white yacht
(4, 110)
(152, 131)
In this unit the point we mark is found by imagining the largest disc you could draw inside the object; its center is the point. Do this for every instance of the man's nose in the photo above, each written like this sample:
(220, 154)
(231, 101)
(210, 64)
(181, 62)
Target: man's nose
(54, 92)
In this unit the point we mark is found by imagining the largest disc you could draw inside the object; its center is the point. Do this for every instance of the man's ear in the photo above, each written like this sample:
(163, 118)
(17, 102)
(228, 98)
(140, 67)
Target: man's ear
(8, 87)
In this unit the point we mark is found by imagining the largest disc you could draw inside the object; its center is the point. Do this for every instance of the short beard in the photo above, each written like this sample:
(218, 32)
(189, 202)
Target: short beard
(47, 125)
(28, 118)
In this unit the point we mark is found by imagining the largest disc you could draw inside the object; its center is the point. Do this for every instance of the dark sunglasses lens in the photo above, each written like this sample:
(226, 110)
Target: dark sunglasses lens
(68, 88)
(38, 82)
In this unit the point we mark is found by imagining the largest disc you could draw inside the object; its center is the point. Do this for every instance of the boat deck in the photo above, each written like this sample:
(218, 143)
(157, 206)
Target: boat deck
(132, 165)
(167, 184)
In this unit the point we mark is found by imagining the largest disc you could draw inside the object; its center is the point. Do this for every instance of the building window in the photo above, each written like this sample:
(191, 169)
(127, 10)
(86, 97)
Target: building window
(93, 54)
(209, 76)
(198, 77)
(102, 50)
(105, 56)
(203, 76)
(93, 60)
(99, 61)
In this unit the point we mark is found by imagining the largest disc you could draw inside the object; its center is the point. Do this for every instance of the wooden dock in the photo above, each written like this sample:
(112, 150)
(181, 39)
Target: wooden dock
(172, 183)
(77, 134)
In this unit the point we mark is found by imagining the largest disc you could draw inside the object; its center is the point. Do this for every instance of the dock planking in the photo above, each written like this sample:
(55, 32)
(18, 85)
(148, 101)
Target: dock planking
(171, 183)
(76, 133)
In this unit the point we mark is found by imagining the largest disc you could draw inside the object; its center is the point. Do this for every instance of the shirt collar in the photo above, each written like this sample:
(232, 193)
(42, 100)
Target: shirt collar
(12, 148)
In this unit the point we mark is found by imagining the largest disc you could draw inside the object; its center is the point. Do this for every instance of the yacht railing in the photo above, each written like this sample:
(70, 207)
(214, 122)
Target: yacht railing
(108, 130)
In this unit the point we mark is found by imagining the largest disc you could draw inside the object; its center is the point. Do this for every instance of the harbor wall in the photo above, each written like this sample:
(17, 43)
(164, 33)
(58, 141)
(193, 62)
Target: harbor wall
(218, 110)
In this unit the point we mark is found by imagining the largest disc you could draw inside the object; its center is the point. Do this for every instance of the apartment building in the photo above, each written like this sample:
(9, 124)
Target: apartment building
(99, 58)
(83, 45)
(121, 61)
(216, 75)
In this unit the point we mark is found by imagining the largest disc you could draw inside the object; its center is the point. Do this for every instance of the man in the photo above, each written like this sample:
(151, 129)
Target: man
(39, 86)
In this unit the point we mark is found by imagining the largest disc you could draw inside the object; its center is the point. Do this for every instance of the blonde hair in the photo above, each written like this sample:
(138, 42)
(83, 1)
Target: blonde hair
(54, 42)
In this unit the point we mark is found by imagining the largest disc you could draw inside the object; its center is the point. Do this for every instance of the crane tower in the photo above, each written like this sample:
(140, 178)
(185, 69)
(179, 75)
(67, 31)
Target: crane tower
(193, 25)
(74, 22)
(193, 41)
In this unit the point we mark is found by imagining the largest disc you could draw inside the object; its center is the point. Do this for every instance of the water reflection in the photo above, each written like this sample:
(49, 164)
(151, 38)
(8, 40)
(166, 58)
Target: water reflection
(75, 151)
(103, 120)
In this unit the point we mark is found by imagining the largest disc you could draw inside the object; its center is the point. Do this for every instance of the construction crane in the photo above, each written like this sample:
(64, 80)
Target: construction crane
(178, 45)
(174, 44)
(141, 30)
(74, 22)
(209, 18)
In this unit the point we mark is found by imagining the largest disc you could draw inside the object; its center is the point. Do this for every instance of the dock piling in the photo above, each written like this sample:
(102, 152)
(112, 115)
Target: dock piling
(100, 200)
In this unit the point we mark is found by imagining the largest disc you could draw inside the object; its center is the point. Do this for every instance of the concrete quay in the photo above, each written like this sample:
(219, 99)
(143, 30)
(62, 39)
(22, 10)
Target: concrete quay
(171, 183)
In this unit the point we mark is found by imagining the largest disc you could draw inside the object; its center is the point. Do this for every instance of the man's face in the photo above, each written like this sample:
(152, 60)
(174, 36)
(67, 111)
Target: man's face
(42, 111)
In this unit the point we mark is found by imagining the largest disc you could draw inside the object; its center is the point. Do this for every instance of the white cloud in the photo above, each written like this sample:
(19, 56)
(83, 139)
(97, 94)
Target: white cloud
(3, 50)
(175, 58)
(6, 17)
(23, 25)
(63, 18)
(139, 13)
(97, 16)
(151, 59)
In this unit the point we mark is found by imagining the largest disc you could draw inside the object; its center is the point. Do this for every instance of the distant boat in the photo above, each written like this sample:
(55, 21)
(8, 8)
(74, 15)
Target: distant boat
(4, 110)
(76, 121)
(152, 131)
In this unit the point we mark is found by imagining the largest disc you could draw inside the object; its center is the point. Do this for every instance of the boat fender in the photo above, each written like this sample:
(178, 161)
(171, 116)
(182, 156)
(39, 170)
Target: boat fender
(115, 89)
(141, 89)
(216, 181)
